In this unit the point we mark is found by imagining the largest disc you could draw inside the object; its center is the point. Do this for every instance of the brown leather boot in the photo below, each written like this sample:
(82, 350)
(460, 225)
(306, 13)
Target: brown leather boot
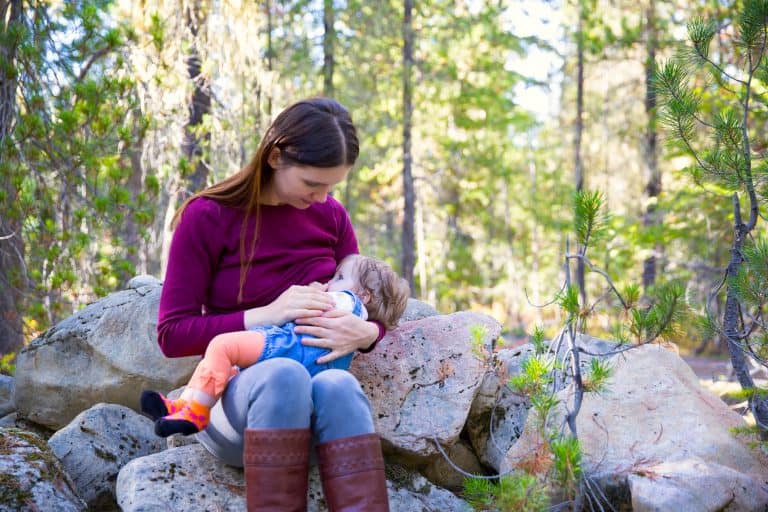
(352, 472)
(276, 463)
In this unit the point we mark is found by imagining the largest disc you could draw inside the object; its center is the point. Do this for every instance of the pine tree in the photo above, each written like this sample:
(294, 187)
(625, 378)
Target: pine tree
(723, 138)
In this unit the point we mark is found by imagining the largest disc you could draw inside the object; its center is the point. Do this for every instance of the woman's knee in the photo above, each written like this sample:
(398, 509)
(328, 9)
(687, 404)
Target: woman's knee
(341, 409)
(337, 387)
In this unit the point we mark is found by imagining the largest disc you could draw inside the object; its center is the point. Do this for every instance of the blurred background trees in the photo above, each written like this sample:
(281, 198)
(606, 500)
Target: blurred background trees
(113, 112)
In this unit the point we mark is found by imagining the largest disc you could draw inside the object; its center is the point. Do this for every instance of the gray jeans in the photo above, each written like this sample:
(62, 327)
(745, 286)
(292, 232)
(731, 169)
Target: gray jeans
(279, 393)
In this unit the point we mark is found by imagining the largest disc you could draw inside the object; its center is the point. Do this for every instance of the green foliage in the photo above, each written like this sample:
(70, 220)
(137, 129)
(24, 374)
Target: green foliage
(69, 159)
(701, 32)
(543, 402)
(568, 464)
(751, 23)
(746, 394)
(721, 130)
(534, 375)
(7, 364)
(568, 300)
(663, 316)
(477, 343)
(751, 434)
(596, 381)
(518, 492)
(751, 281)
(537, 339)
(589, 223)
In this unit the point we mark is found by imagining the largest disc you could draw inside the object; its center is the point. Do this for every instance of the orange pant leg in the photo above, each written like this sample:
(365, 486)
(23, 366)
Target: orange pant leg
(242, 348)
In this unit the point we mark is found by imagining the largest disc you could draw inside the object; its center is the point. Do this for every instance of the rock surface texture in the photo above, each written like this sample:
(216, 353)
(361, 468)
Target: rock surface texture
(31, 478)
(654, 429)
(107, 352)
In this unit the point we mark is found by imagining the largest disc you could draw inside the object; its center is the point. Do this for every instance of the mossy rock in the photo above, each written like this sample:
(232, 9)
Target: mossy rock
(31, 477)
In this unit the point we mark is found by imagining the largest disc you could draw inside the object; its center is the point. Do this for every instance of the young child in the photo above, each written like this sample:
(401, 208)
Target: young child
(364, 286)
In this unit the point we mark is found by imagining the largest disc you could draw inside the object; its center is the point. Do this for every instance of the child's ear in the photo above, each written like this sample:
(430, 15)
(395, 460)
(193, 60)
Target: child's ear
(365, 296)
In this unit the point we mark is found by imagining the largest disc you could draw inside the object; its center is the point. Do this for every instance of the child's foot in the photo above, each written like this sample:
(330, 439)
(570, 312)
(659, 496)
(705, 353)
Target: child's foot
(155, 405)
(190, 419)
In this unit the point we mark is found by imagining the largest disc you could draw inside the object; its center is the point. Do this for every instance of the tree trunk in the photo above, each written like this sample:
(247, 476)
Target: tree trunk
(408, 245)
(270, 54)
(130, 236)
(651, 216)
(12, 270)
(732, 324)
(192, 146)
(579, 129)
(329, 42)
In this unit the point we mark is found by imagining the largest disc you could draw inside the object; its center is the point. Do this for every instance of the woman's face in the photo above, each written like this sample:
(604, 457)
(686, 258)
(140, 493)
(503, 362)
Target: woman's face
(302, 186)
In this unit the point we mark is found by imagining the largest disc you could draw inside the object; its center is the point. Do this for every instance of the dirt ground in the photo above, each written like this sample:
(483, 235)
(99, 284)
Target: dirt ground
(712, 369)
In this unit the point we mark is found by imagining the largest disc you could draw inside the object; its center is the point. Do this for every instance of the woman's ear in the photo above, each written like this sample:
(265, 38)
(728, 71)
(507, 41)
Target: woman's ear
(274, 158)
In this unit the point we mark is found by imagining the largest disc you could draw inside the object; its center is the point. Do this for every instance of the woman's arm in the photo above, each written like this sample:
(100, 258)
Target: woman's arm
(183, 328)
(295, 302)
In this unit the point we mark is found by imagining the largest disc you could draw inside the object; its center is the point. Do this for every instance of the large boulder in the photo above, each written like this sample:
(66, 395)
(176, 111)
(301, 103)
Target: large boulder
(656, 420)
(97, 443)
(189, 478)
(31, 478)
(416, 310)
(7, 395)
(498, 415)
(107, 352)
(695, 485)
(422, 379)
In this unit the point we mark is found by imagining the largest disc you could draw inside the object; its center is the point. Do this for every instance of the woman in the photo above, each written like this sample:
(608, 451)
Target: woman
(250, 251)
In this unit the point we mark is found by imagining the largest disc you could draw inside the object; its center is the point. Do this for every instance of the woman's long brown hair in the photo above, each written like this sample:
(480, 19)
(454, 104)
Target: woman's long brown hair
(316, 132)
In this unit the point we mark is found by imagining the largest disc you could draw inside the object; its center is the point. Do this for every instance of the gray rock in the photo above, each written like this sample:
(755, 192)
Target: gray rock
(31, 478)
(695, 486)
(107, 352)
(142, 281)
(655, 416)
(411, 492)
(180, 479)
(8, 421)
(498, 415)
(7, 392)
(97, 443)
(416, 310)
(189, 478)
(442, 473)
(422, 379)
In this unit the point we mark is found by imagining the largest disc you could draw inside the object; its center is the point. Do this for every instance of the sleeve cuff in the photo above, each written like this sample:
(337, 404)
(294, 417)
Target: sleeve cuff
(382, 333)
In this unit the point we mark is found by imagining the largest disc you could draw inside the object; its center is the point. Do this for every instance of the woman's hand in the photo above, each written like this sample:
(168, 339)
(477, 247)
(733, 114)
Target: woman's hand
(295, 302)
(339, 331)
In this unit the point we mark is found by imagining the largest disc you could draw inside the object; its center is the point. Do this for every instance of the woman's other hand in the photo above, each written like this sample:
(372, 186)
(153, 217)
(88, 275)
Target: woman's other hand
(295, 302)
(339, 331)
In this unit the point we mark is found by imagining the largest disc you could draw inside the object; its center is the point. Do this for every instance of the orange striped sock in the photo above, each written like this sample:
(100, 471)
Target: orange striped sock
(156, 405)
(191, 417)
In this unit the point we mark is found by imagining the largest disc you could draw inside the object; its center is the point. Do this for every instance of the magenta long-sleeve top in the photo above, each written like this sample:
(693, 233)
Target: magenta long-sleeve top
(202, 281)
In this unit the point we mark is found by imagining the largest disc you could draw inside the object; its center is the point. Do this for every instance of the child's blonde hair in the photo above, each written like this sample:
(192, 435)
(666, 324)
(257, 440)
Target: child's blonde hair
(388, 292)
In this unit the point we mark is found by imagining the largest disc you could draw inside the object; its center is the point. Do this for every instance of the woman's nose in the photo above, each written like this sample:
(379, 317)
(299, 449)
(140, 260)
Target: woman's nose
(321, 195)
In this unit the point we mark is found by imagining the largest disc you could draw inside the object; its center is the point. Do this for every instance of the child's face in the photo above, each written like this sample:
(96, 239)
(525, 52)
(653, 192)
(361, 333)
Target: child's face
(346, 277)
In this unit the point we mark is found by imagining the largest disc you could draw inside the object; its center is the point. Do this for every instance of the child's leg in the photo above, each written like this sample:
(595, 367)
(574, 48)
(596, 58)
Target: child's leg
(191, 412)
(242, 348)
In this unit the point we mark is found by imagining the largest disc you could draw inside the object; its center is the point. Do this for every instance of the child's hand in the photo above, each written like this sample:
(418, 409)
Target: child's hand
(319, 286)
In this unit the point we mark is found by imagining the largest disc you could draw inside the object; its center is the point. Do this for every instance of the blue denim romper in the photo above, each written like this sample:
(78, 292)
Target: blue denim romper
(282, 341)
